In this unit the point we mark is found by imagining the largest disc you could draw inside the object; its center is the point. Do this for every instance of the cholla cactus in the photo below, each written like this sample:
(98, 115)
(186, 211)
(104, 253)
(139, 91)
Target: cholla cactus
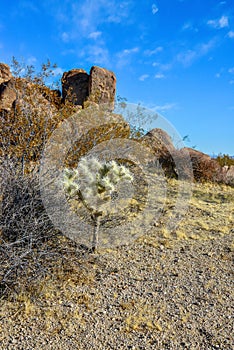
(93, 182)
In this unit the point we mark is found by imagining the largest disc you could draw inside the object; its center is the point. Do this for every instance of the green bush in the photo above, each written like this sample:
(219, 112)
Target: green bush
(225, 159)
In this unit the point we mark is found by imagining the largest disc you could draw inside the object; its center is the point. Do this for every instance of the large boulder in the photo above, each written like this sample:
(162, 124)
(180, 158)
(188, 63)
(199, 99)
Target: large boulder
(7, 95)
(96, 125)
(75, 86)
(102, 85)
(97, 87)
(162, 146)
(5, 74)
(228, 175)
(204, 167)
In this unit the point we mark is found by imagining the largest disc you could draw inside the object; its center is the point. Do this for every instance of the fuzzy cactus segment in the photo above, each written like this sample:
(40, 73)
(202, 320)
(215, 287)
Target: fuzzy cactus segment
(94, 181)
(70, 181)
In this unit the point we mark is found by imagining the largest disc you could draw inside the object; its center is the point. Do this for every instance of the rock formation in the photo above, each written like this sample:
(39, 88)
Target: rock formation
(29, 112)
(5, 74)
(102, 85)
(99, 86)
(75, 86)
(228, 175)
(7, 95)
(161, 145)
(204, 168)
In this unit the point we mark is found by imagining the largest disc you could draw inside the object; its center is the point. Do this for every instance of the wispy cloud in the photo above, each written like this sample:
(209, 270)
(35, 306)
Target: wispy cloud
(143, 77)
(231, 70)
(162, 66)
(124, 57)
(96, 54)
(95, 35)
(222, 22)
(127, 52)
(65, 37)
(31, 60)
(80, 20)
(165, 107)
(154, 51)
(190, 56)
(29, 5)
(231, 34)
(154, 9)
(159, 76)
(189, 26)
(58, 71)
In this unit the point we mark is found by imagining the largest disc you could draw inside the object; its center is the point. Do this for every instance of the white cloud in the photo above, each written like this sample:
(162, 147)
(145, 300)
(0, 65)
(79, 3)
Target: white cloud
(124, 57)
(95, 35)
(154, 51)
(93, 13)
(189, 26)
(162, 66)
(143, 77)
(127, 52)
(231, 34)
(231, 82)
(154, 9)
(231, 70)
(28, 5)
(83, 18)
(31, 60)
(219, 23)
(57, 71)
(96, 54)
(159, 76)
(65, 37)
(189, 56)
(165, 107)
(217, 75)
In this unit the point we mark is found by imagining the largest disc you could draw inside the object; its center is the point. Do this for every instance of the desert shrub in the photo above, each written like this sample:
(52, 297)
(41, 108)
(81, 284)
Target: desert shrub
(24, 223)
(225, 159)
(36, 112)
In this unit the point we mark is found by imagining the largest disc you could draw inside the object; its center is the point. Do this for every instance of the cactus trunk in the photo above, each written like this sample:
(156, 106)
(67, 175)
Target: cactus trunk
(97, 219)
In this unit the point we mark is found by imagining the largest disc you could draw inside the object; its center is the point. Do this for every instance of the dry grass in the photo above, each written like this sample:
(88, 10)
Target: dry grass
(62, 297)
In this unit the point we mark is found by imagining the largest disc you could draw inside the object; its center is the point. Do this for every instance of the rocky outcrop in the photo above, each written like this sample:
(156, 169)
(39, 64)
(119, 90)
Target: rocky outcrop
(5, 74)
(96, 125)
(204, 167)
(75, 86)
(99, 86)
(228, 175)
(102, 85)
(7, 95)
(162, 146)
(29, 112)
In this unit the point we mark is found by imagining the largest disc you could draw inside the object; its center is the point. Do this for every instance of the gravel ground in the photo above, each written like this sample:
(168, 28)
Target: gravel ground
(177, 294)
(164, 291)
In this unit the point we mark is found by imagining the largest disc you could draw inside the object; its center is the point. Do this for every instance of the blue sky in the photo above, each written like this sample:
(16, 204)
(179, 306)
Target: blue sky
(173, 56)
